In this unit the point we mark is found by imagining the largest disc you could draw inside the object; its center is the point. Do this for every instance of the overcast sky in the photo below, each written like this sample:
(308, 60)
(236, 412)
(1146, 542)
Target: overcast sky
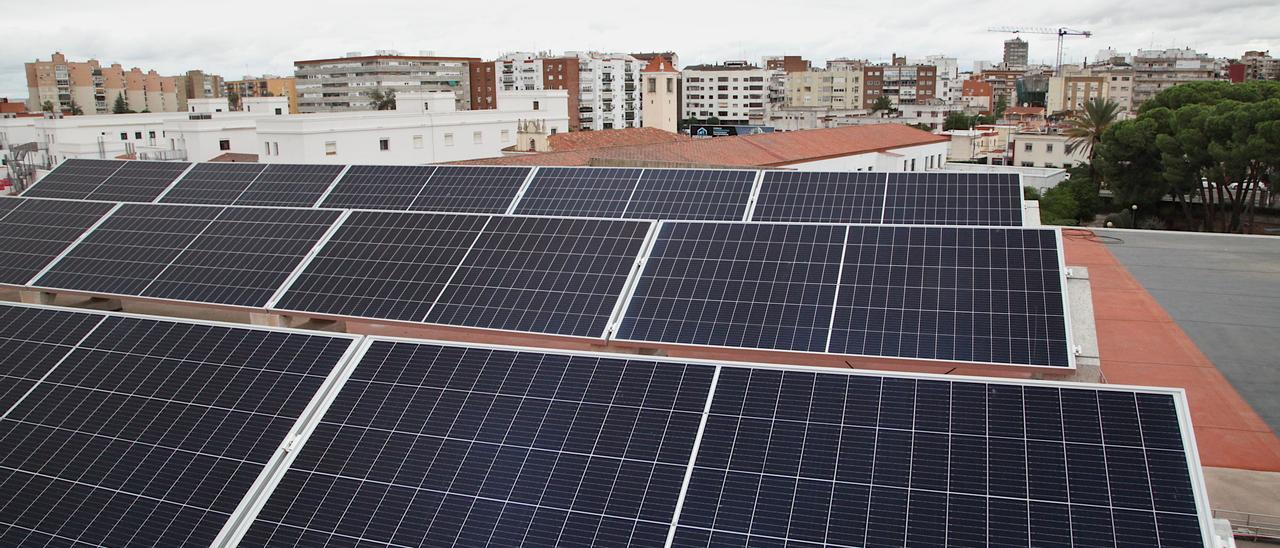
(235, 37)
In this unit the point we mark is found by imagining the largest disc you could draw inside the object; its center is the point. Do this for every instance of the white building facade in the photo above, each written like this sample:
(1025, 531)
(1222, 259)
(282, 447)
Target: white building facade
(607, 92)
(734, 93)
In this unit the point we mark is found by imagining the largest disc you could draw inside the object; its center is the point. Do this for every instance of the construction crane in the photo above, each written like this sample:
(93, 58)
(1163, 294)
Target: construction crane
(1062, 32)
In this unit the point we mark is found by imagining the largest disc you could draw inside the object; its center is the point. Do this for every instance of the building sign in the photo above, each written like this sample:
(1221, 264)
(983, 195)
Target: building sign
(704, 130)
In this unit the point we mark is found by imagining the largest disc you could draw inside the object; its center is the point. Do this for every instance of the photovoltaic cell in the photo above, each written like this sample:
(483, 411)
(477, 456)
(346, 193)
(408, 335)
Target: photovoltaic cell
(35, 232)
(129, 249)
(151, 432)
(379, 187)
(444, 446)
(243, 257)
(471, 189)
(386, 265)
(138, 181)
(32, 341)
(581, 192)
(737, 284)
(298, 185)
(7, 203)
(812, 459)
(691, 194)
(954, 199)
(236, 256)
(545, 275)
(213, 183)
(820, 196)
(952, 293)
(74, 179)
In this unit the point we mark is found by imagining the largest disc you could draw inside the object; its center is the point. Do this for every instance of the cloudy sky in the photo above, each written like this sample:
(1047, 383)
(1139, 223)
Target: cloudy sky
(236, 37)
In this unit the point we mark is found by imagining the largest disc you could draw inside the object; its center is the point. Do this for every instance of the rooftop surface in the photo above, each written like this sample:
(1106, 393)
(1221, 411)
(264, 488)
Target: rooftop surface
(1142, 344)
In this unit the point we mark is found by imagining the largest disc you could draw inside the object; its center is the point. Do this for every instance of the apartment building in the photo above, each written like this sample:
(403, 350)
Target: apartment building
(978, 95)
(903, 84)
(88, 87)
(1077, 86)
(267, 85)
(1016, 53)
(836, 89)
(1004, 83)
(195, 84)
(1158, 70)
(787, 63)
(1260, 65)
(734, 92)
(604, 88)
(1045, 150)
(949, 80)
(343, 83)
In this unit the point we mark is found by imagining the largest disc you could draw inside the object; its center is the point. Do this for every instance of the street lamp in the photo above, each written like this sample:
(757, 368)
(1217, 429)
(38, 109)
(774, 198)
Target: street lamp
(1133, 215)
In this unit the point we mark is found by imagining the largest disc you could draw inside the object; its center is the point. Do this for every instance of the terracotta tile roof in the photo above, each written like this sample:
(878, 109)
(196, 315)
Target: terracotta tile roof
(581, 140)
(763, 150)
(659, 64)
(1024, 111)
(234, 157)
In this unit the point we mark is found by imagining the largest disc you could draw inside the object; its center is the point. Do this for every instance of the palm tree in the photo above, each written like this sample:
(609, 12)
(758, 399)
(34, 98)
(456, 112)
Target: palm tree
(1085, 129)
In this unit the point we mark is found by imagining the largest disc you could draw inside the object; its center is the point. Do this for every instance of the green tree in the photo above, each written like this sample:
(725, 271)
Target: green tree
(46, 106)
(1002, 103)
(1086, 127)
(922, 126)
(957, 120)
(1215, 143)
(119, 107)
(75, 108)
(1030, 193)
(233, 99)
(382, 100)
(882, 103)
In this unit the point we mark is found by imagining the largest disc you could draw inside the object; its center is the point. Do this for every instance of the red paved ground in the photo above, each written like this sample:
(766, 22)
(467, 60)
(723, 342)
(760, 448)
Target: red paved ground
(1141, 345)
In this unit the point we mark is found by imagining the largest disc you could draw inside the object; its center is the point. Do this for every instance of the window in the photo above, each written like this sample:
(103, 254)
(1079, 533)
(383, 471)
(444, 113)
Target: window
(384, 144)
(1028, 164)
(448, 139)
(124, 136)
(151, 135)
(653, 85)
(330, 148)
(477, 137)
(266, 148)
(535, 105)
(1048, 147)
(275, 148)
(417, 141)
(279, 112)
(671, 85)
(224, 144)
(913, 164)
(426, 106)
(1028, 147)
(553, 131)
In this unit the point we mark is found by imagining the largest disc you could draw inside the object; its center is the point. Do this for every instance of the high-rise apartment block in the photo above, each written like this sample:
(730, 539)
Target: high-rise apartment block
(195, 84)
(1260, 65)
(1158, 70)
(835, 89)
(267, 85)
(734, 93)
(903, 84)
(1076, 86)
(344, 83)
(1016, 53)
(604, 88)
(88, 87)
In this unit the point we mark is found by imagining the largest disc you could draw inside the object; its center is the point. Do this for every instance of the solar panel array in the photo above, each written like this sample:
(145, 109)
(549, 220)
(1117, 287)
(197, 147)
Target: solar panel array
(236, 256)
(107, 180)
(135, 431)
(986, 295)
(279, 185)
(35, 232)
(431, 445)
(979, 199)
(639, 193)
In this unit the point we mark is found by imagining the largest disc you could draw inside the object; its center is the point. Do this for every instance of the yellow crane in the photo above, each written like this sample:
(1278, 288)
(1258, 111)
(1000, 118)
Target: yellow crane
(1062, 32)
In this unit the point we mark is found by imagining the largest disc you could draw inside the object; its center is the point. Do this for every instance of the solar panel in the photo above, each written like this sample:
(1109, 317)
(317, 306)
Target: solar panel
(809, 458)
(444, 446)
(471, 189)
(236, 256)
(955, 294)
(386, 265)
(35, 232)
(243, 257)
(379, 187)
(820, 196)
(545, 275)
(7, 203)
(138, 181)
(299, 185)
(152, 432)
(129, 249)
(32, 341)
(582, 192)
(954, 199)
(737, 284)
(691, 194)
(73, 179)
(213, 183)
